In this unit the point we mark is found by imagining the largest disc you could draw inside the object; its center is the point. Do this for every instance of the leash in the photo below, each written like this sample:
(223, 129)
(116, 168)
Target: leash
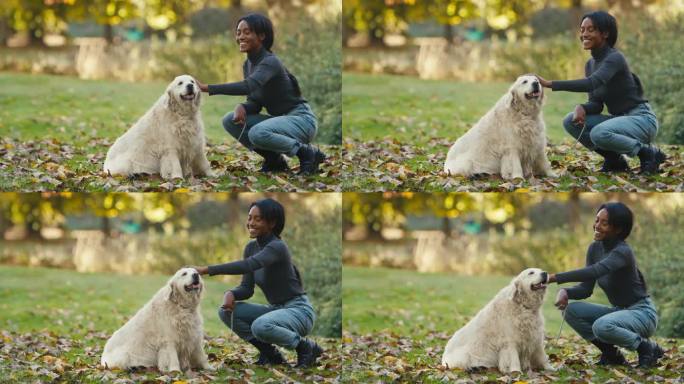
(244, 126)
(578, 140)
(561, 326)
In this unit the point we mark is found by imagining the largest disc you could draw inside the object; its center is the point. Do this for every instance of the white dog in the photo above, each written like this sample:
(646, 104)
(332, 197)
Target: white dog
(166, 333)
(507, 333)
(167, 140)
(509, 140)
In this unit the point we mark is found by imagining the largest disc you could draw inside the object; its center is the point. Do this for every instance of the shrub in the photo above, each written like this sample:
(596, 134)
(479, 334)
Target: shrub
(657, 245)
(211, 21)
(655, 51)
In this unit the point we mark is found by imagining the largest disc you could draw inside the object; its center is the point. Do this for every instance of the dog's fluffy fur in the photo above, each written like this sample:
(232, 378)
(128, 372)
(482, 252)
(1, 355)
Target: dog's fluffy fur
(167, 140)
(166, 333)
(509, 140)
(508, 333)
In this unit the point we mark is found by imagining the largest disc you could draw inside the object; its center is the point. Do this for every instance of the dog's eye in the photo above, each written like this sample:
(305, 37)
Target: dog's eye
(525, 82)
(180, 83)
(185, 273)
(531, 272)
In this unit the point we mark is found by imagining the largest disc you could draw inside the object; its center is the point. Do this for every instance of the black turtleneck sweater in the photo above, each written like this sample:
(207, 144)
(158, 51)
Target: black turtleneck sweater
(613, 265)
(268, 264)
(266, 84)
(608, 80)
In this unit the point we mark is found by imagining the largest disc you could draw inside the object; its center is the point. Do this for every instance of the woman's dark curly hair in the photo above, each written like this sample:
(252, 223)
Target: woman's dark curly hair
(261, 25)
(605, 23)
(273, 212)
(620, 217)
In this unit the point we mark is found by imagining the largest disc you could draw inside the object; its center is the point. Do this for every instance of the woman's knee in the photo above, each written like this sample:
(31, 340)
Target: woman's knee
(568, 124)
(225, 316)
(603, 328)
(600, 136)
(259, 136)
(262, 328)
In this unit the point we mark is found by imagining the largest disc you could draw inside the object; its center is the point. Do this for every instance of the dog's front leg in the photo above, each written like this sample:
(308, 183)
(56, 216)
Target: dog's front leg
(200, 166)
(167, 359)
(540, 360)
(198, 359)
(170, 167)
(542, 165)
(511, 167)
(509, 360)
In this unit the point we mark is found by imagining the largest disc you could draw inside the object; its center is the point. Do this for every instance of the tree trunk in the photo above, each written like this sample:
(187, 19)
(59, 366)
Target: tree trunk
(449, 34)
(446, 227)
(375, 37)
(108, 33)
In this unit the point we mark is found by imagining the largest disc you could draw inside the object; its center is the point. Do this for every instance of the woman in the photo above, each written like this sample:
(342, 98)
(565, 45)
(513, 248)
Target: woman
(290, 125)
(631, 124)
(267, 263)
(632, 318)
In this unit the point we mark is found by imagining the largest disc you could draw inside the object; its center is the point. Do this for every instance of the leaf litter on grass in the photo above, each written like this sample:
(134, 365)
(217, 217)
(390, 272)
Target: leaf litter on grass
(389, 164)
(53, 165)
(386, 356)
(45, 356)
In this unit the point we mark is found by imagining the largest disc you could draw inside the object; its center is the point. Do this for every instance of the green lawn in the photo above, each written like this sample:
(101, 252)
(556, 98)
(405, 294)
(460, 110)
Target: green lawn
(407, 108)
(398, 321)
(398, 129)
(56, 131)
(53, 318)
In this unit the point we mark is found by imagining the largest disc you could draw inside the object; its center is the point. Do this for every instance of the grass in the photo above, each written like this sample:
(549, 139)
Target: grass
(398, 130)
(71, 123)
(398, 321)
(56, 308)
(407, 108)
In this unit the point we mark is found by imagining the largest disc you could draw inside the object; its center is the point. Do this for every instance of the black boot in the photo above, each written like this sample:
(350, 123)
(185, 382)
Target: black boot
(649, 353)
(309, 159)
(610, 355)
(650, 158)
(307, 353)
(273, 162)
(613, 161)
(268, 354)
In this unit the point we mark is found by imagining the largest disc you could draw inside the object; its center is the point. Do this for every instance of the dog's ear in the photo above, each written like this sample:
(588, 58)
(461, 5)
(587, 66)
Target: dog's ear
(514, 100)
(172, 292)
(198, 98)
(517, 291)
(171, 102)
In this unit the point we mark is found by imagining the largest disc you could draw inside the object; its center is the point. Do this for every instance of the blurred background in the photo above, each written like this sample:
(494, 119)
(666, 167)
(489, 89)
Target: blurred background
(64, 249)
(437, 251)
(155, 41)
(490, 41)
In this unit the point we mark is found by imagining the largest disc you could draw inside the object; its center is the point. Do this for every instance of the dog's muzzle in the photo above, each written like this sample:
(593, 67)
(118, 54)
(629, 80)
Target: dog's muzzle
(541, 284)
(536, 91)
(189, 93)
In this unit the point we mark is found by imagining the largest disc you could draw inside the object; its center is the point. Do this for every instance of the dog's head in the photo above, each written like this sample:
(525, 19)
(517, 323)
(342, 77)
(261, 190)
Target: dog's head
(529, 287)
(527, 90)
(185, 287)
(183, 94)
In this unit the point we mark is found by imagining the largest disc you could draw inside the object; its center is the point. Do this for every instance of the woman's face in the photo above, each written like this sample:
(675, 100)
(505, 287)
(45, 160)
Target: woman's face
(247, 39)
(603, 230)
(257, 225)
(590, 36)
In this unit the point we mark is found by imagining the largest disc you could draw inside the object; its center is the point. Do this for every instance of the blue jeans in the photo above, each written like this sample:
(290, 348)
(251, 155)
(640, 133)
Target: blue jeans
(279, 134)
(625, 327)
(622, 134)
(282, 325)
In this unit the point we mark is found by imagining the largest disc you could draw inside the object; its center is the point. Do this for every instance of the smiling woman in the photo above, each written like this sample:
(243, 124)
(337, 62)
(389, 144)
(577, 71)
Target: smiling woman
(290, 125)
(631, 126)
(267, 262)
(633, 318)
